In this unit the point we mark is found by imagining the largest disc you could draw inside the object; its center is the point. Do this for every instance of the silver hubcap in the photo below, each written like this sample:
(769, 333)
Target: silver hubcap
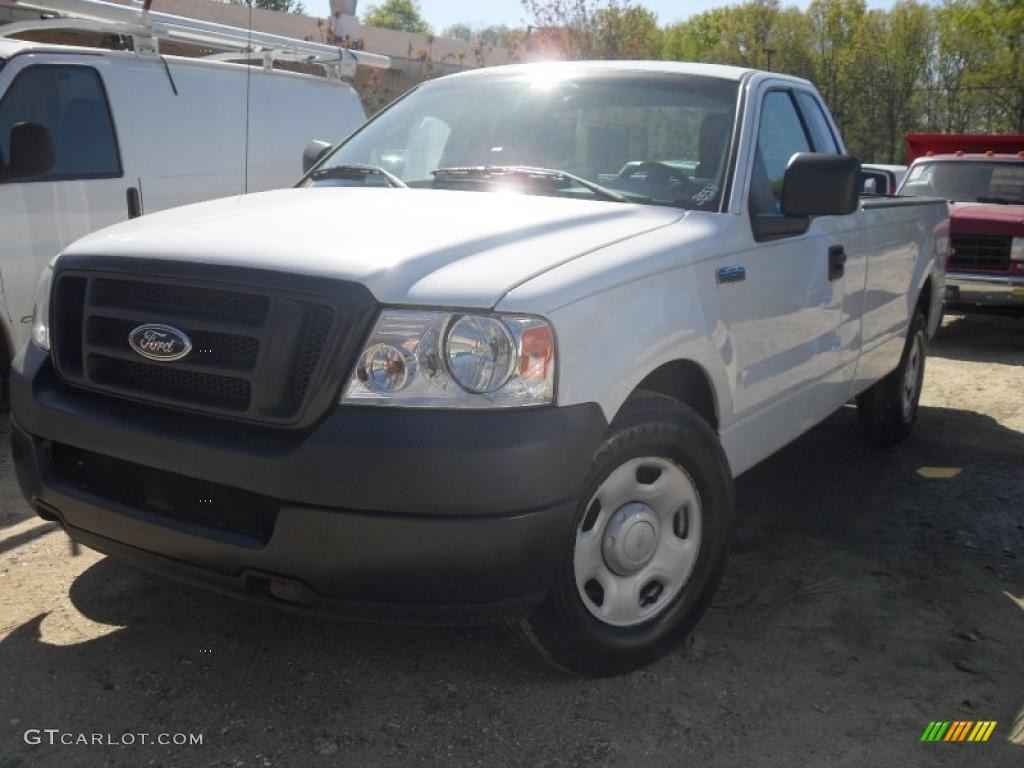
(638, 541)
(912, 376)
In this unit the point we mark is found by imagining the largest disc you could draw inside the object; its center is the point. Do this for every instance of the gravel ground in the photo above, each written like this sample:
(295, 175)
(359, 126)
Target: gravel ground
(870, 592)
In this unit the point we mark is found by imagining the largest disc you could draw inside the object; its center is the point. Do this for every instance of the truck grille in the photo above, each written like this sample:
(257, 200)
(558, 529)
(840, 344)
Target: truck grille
(989, 253)
(256, 349)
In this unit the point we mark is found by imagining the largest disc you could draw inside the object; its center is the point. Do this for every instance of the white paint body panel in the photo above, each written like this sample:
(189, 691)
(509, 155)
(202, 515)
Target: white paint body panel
(627, 288)
(176, 149)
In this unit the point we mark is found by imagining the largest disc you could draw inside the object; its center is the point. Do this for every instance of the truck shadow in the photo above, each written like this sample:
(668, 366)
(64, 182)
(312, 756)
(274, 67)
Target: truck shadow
(835, 539)
(980, 339)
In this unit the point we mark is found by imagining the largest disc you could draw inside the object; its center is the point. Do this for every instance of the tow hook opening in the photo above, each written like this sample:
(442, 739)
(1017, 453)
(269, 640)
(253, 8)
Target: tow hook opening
(268, 585)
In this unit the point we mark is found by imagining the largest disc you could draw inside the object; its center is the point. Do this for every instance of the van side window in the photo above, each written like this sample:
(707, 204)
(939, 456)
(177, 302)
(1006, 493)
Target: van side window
(70, 103)
(821, 134)
(779, 137)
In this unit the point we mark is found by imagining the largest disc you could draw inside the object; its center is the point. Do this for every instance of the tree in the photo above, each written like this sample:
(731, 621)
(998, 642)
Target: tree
(284, 6)
(695, 38)
(599, 29)
(403, 15)
(463, 32)
(625, 32)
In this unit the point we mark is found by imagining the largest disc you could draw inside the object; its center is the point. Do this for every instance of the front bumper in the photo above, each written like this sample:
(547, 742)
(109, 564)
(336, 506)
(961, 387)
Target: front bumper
(372, 511)
(968, 291)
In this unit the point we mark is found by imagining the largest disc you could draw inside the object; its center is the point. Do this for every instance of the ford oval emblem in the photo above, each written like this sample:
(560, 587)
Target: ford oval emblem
(160, 342)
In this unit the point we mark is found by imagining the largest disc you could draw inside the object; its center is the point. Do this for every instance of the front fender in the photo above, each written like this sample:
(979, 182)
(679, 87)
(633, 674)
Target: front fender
(610, 342)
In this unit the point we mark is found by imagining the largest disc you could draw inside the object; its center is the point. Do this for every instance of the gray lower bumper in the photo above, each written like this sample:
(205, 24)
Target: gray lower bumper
(966, 290)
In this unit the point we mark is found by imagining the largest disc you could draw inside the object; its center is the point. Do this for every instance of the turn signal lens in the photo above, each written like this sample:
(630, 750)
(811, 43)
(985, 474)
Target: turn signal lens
(537, 352)
(41, 311)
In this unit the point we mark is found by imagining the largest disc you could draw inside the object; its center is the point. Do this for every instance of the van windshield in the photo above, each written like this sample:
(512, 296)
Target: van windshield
(966, 181)
(653, 139)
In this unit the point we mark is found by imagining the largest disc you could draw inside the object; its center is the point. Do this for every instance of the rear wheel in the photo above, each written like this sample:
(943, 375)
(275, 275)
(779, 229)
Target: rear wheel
(648, 545)
(888, 409)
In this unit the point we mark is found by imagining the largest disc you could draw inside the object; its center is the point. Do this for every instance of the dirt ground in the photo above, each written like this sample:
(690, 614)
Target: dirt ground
(869, 592)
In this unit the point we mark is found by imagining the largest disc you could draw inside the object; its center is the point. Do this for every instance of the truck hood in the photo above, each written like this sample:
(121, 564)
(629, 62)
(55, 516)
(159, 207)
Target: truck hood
(406, 246)
(986, 219)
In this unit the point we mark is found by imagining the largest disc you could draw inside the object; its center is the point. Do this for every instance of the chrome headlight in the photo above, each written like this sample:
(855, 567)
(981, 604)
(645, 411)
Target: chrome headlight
(429, 359)
(41, 311)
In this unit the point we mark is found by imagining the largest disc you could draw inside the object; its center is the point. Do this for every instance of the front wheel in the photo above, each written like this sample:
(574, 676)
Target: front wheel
(648, 545)
(888, 409)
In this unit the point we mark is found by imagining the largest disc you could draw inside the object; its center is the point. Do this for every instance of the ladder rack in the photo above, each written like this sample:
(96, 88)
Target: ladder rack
(148, 28)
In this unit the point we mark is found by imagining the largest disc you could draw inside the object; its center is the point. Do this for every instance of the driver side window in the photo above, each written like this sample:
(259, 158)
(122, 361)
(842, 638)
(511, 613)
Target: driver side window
(780, 136)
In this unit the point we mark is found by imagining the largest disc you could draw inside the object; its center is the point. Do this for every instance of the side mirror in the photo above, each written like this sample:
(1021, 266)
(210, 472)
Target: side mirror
(821, 185)
(313, 152)
(32, 152)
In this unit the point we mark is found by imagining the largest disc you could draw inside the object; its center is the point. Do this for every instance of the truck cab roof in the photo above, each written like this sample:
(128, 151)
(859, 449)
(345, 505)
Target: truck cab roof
(570, 68)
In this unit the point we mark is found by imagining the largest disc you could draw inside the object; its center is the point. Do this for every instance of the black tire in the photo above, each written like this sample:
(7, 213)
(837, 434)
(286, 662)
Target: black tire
(566, 632)
(884, 414)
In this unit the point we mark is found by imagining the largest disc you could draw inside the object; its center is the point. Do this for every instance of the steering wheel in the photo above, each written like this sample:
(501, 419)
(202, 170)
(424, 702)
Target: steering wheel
(659, 175)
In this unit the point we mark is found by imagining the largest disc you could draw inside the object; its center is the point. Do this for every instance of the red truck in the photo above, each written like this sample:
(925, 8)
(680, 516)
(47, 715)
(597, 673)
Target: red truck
(983, 179)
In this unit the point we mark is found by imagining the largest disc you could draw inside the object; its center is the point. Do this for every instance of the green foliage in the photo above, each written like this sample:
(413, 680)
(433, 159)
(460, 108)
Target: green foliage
(403, 15)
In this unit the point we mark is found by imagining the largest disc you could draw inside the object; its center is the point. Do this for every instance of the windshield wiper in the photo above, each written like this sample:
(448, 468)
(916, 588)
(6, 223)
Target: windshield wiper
(477, 171)
(1000, 200)
(358, 171)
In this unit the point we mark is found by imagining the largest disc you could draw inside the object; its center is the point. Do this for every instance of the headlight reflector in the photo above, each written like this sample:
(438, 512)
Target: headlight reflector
(41, 311)
(481, 353)
(384, 368)
(417, 358)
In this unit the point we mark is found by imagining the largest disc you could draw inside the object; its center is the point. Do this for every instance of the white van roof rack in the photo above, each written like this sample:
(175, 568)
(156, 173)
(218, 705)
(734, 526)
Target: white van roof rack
(147, 28)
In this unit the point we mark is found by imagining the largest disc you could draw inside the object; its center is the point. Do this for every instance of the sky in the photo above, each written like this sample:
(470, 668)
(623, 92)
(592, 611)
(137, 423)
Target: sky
(444, 13)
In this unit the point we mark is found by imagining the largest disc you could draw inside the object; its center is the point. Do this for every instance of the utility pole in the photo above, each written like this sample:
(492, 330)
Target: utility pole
(768, 52)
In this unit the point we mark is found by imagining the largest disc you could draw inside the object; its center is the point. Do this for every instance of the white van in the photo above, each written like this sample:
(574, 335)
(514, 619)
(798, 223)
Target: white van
(91, 137)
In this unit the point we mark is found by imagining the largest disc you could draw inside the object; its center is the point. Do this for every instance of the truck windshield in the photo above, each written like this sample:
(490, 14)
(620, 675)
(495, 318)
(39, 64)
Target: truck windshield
(966, 181)
(651, 139)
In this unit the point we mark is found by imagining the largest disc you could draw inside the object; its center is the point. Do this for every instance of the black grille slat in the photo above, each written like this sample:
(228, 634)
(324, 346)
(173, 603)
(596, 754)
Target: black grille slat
(69, 298)
(166, 494)
(156, 296)
(168, 383)
(981, 252)
(315, 328)
(233, 330)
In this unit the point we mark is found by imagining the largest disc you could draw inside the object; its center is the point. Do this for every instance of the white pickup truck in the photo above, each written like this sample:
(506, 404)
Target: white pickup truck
(501, 353)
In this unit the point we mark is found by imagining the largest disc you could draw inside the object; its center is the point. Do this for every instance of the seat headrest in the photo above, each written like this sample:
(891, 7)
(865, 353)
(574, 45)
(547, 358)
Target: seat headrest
(32, 151)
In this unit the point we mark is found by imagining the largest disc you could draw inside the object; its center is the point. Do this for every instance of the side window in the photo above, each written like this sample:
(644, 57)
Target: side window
(780, 136)
(821, 134)
(69, 101)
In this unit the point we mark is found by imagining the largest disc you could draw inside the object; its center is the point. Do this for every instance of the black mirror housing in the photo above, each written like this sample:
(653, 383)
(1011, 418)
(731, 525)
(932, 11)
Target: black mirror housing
(313, 152)
(821, 185)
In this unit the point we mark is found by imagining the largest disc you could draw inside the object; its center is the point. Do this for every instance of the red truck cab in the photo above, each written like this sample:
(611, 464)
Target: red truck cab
(983, 179)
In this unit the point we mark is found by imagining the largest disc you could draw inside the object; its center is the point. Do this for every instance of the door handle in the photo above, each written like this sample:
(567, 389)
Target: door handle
(836, 262)
(134, 203)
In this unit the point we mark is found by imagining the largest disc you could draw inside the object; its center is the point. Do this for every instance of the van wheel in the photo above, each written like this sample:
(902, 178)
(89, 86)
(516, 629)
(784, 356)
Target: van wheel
(648, 545)
(888, 409)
